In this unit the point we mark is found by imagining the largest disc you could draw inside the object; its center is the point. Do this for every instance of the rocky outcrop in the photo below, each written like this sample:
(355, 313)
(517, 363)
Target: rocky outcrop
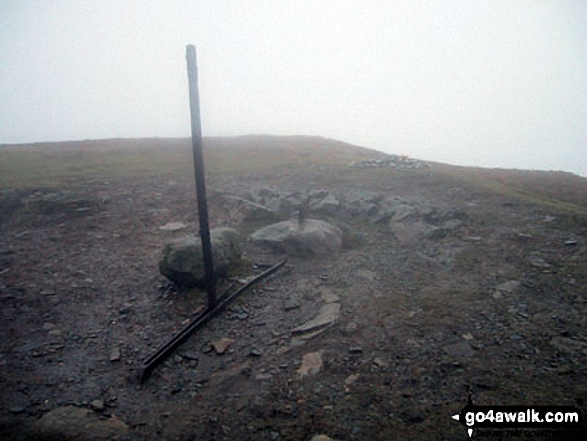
(311, 237)
(182, 262)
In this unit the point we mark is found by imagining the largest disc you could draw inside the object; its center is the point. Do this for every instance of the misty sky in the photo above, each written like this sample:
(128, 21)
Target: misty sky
(488, 83)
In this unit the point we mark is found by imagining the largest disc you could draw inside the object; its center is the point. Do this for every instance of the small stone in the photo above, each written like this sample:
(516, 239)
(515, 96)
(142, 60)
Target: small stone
(506, 288)
(355, 350)
(322, 438)
(538, 262)
(254, 352)
(49, 326)
(328, 296)
(55, 332)
(311, 364)
(379, 362)
(189, 355)
(125, 308)
(115, 354)
(17, 409)
(173, 226)
(460, 350)
(468, 336)
(570, 242)
(97, 405)
(220, 346)
(263, 377)
(350, 328)
(351, 379)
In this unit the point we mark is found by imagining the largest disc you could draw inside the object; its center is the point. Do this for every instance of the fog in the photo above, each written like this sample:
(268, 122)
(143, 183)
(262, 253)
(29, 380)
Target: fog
(486, 83)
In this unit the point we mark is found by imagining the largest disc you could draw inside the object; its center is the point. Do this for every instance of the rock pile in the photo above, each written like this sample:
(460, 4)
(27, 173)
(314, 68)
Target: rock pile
(393, 161)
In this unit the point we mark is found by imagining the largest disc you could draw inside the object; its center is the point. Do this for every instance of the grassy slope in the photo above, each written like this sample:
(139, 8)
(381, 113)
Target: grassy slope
(58, 164)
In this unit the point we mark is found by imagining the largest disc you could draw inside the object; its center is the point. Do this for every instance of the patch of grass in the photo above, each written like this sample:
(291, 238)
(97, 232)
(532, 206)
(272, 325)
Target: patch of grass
(59, 164)
(562, 192)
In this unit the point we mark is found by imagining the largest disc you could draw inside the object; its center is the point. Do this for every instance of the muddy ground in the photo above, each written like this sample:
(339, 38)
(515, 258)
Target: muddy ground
(423, 323)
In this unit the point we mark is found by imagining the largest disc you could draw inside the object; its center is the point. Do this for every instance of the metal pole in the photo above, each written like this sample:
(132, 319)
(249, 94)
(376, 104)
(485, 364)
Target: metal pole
(199, 172)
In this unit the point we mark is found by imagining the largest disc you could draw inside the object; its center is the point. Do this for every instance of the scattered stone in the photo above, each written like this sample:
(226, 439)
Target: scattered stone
(115, 354)
(313, 237)
(49, 326)
(355, 350)
(173, 226)
(254, 352)
(72, 422)
(220, 346)
(402, 212)
(291, 302)
(379, 362)
(322, 438)
(98, 405)
(538, 262)
(506, 288)
(350, 328)
(468, 336)
(328, 314)
(406, 232)
(55, 332)
(460, 351)
(189, 355)
(327, 205)
(570, 242)
(328, 296)
(351, 379)
(263, 377)
(252, 212)
(17, 409)
(392, 161)
(568, 345)
(125, 308)
(182, 262)
(311, 364)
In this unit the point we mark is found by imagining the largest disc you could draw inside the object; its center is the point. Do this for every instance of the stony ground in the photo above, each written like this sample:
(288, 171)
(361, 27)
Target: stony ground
(466, 292)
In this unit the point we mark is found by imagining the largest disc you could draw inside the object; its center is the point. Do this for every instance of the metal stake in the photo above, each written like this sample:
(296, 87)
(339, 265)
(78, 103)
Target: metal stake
(199, 172)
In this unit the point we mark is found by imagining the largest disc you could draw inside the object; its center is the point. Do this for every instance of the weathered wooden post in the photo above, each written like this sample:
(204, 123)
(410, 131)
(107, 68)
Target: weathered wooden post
(199, 172)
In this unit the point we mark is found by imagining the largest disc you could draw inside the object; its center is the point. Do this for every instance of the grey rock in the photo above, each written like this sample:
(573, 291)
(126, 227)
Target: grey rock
(311, 364)
(460, 351)
(328, 205)
(406, 232)
(173, 226)
(253, 212)
(115, 354)
(328, 314)
(313, 237)
(506, 288)
(97, 405)
(538, 262)
(182, 262)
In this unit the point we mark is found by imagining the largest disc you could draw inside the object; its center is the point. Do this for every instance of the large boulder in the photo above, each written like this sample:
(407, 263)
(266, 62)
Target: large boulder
(311, 237)
(182, 262)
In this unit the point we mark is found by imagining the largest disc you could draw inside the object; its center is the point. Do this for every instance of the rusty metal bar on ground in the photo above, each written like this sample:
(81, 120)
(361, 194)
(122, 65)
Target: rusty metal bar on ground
(209, 278)
(198, 321)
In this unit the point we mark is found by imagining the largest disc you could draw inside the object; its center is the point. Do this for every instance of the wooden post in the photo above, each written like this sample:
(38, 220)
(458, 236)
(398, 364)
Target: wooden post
(199, 173)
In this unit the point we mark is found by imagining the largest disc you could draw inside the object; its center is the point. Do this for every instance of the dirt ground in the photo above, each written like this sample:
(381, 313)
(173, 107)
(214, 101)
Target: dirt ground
(423, 323)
